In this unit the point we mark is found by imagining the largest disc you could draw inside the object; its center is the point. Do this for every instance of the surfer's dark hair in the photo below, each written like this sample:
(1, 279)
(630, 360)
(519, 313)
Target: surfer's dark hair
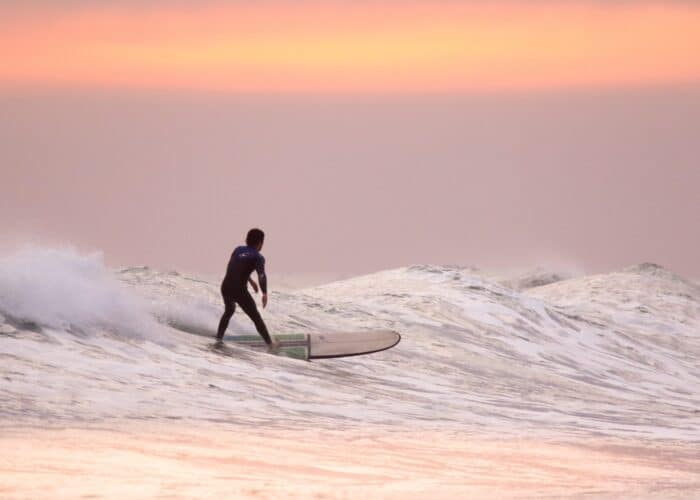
(255, 237)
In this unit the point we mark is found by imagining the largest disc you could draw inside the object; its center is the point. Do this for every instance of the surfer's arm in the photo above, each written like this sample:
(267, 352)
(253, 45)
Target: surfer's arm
(253, 284)
(262, 278)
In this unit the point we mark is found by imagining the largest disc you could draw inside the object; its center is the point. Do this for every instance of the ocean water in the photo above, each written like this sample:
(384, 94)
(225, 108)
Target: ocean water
(615, 354)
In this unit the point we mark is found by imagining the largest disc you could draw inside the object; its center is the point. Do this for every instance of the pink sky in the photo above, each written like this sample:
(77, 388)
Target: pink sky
(136, 131)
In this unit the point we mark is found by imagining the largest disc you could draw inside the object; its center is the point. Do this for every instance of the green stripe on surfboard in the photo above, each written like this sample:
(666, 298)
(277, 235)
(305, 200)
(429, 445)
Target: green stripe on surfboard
(246, 339)
(294, 352)
(293, 345)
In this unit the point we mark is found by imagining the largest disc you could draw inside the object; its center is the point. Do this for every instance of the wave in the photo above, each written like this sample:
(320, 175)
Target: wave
(613, 354)
(64, 290)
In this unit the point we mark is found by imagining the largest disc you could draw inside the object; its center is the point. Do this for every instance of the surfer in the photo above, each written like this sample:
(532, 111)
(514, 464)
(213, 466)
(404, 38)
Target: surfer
(234, 289)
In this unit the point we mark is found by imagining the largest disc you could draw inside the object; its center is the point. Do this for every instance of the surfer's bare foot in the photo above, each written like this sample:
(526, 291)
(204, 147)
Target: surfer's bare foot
(274, 345)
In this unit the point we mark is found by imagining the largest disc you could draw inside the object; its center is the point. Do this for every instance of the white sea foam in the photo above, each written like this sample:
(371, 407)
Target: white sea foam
(62, 289)
(613, 354)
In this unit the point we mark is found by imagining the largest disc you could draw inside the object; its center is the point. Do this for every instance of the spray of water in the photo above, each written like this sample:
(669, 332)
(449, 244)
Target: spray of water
(60, 288)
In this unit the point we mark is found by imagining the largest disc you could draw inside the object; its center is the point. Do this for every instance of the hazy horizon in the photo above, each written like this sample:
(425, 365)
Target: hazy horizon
(596, 180)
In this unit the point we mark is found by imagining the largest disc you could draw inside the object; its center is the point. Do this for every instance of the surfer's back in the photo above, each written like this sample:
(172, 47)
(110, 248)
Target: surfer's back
(244, 260)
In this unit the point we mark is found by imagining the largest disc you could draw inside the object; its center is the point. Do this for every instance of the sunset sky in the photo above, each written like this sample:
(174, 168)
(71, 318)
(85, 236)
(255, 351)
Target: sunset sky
(361, 135)
(397, 46)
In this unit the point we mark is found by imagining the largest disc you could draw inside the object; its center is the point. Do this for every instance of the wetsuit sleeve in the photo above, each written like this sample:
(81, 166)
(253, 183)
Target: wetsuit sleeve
(262, 278)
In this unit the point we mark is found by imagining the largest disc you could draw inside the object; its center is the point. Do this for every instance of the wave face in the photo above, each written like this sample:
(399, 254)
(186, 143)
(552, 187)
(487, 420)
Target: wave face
(614, 354)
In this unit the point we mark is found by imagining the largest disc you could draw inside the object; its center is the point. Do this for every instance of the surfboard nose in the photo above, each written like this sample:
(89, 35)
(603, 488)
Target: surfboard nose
(341, 344)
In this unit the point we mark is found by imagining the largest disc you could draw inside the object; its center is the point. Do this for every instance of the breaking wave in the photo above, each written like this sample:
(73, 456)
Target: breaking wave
(613, 354)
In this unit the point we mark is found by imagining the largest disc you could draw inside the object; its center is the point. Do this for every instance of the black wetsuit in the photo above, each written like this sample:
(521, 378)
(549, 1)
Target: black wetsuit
(234, 288)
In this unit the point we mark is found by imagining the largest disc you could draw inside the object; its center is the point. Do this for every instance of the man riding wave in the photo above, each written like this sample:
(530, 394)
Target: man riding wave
(234, 289)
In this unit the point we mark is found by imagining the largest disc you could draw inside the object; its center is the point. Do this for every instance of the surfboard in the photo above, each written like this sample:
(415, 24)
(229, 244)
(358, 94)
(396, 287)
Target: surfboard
(308, 346)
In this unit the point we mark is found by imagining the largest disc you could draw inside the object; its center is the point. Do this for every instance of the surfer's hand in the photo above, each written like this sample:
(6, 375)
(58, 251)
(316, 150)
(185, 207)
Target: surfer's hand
(254, 285)
(264, 300)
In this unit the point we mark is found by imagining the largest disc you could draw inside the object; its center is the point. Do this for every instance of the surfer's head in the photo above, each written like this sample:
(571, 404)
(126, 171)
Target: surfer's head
(255, 238)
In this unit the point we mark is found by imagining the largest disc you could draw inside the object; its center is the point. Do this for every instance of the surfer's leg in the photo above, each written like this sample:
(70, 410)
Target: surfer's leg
(229, 309)
(248, 305)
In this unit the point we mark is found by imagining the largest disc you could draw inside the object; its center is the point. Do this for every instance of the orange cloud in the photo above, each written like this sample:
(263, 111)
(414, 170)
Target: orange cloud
(362, 46)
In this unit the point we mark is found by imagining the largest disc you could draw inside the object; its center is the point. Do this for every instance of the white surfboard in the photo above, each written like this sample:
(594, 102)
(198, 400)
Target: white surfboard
(309, 345)
(325, 345)
(333, 345)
